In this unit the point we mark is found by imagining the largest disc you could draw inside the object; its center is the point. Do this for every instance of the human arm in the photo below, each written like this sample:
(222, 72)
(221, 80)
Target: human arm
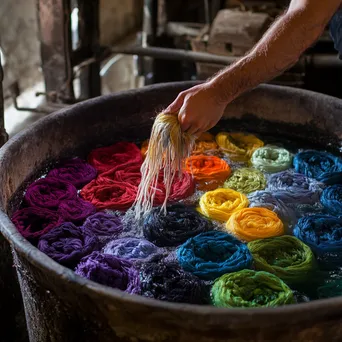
(201, 107)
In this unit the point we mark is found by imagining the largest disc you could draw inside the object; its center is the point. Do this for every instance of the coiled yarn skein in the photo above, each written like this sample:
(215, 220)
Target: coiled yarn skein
(212, 254)
(76, 210)
(179, 224)
(110, 271)
(323, 234)
(254, 223)
(239, 146)
(285, 256)
(209, 172)
(168, 282)
(322, 166)
(271, 159)
(250, 289)
(220, 204)
(205, 144)
(246, 180)
(332, 199)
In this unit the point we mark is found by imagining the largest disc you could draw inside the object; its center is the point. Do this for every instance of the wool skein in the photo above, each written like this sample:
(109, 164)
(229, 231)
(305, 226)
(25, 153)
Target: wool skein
(250, 289)
(271, 159)
(212, 254)
(76, 210)
(332, 199)
(323, 234)
(220, 204)
(246, 180)
(254, 223)
(239, 146)
(205, 144)
(322, 166)
(179, 224)
(285, 256)
(67, 244)
(110, 271)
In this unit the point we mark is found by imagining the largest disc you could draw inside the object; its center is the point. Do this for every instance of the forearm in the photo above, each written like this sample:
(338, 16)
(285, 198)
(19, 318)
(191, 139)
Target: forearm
(279, 49)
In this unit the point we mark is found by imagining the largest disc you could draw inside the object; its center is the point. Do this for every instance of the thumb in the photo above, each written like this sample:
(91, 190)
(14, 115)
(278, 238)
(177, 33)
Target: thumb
(176, 105)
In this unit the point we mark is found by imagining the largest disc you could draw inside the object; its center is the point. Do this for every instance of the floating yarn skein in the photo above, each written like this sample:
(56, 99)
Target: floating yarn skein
(209, 172)
(323, 234)
(104, 226)
(212, 254)
(168, 146)
(250, 289)
(49, 193)
(246, 180)
(322, 166)
(205, 144)
(332, 199)
(110, 271)
(75, 171)
(271, 159)
(250, 224)
(239, 146)
(220, 204)
(285, 256)
(33, 222)
(179, 224)
(106, 158)
(132, 248)
(168, 282)
(67, 244)
(76, 210)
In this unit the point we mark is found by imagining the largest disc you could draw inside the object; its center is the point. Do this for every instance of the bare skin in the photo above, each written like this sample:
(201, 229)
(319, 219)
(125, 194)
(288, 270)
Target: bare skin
(201, 107)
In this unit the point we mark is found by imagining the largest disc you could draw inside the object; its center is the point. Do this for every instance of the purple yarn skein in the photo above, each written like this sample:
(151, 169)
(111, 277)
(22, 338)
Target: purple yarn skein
(76, 210)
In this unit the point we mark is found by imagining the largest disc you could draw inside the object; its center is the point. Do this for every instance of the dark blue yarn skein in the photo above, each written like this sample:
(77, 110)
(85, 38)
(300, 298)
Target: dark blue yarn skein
(332, 199)
(172, 229)
(212, 254)
(323, 234)
(323, 166)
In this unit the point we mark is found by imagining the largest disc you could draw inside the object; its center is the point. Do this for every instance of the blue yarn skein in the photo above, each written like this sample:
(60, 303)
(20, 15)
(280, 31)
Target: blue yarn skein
(323, 166)
(212, 254)
(323, 234)
(332, 199)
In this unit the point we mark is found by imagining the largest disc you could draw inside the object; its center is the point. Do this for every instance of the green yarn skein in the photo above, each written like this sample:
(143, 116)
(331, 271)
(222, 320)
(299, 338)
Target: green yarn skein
(246, 180)
(271, 159)
(285, 256)
(250, 289)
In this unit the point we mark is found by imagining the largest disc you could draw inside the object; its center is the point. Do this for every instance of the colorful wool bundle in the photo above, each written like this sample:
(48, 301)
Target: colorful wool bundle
(205, 144)
(254, 223)
(250, 289)
(76, 210)
(285, 256)
(332, 199)
(68, 244)
(132, 248)
(49, 193)
(246, 180)
(104, 226)
(239, 146)
(212, 254)
(323, 234)
(331, 288)
(271, 159)
(110, 271)
(209, 172)
(75, 171)
(33, 222)
(179, 224)
(220, 204)
(106, 158)
(323, 166)
(144, 147)
(168, 282)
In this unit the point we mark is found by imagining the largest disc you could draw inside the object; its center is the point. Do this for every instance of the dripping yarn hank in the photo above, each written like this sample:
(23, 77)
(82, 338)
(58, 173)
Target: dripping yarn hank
(111, 271)
(68, 244)
(180, 223)
(212, 254)
(168, 146)
(285, 256)
(331, 199)
(248, 288)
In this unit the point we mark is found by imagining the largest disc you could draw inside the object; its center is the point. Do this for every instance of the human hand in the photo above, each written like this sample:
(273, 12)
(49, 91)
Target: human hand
(199, 108)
